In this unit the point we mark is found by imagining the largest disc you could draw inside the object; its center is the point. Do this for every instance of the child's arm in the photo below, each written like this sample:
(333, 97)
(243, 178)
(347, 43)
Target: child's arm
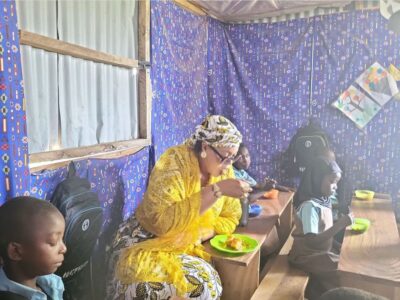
(313, 239)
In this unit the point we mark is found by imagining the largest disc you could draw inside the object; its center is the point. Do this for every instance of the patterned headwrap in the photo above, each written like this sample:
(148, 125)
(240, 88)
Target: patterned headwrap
(216, 131)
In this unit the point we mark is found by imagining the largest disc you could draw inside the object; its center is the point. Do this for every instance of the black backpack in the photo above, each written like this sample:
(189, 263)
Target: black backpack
(308, 142)
(83, 215)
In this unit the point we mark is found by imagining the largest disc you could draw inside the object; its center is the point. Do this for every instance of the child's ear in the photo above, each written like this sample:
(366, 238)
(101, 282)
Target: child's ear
(14, 251)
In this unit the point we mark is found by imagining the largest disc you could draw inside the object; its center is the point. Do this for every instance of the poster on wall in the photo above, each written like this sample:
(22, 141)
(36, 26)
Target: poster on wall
(378, 83)
(357, 106)
(371, 91)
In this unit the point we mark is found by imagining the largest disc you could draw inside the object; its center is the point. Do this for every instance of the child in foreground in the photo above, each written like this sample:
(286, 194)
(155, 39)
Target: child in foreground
(314, 249)
(32, 248)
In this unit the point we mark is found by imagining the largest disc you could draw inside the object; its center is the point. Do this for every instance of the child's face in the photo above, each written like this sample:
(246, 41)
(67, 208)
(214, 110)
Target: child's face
(329, 184)
(44, 252)
(243, 163)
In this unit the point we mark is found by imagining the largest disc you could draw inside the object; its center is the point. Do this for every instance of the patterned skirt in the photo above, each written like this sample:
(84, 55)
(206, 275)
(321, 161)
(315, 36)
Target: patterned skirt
(202, 276)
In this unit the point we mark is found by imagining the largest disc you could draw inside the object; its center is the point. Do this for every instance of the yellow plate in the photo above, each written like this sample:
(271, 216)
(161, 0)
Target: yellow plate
(360, 224)
(364, 194)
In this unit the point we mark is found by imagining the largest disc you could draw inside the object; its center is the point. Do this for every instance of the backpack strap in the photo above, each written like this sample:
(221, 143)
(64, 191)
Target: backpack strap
(71, 170)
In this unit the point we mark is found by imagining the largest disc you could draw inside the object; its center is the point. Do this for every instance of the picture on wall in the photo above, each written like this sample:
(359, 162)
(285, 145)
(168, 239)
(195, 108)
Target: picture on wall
(370, 92)
(378, 83)
(357, 106)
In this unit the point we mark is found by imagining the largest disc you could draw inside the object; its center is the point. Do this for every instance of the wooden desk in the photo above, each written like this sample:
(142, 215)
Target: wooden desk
(371, 260)
(240, 274)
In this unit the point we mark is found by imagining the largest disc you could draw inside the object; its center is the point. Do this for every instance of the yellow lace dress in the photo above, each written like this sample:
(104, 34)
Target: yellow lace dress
(160, 254)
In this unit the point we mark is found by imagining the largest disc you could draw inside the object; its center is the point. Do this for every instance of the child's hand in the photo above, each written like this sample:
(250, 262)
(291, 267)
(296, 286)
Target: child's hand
(347, 219)
(351, 216)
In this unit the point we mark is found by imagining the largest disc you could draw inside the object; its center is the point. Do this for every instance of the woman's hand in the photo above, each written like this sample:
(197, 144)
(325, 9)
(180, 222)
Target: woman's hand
(234, 188)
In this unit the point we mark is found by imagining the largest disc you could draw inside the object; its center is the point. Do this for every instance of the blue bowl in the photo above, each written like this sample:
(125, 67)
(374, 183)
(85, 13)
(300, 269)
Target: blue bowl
(254, 210)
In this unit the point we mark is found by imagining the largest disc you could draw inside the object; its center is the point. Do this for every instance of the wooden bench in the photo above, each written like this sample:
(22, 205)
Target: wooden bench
(282, 280)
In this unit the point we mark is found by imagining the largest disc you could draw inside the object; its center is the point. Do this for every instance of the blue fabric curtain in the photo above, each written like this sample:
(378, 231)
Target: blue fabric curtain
(120, 184)
(345, 45)
(14, 179)
(179, 73)
(270, 79)
(261, 76)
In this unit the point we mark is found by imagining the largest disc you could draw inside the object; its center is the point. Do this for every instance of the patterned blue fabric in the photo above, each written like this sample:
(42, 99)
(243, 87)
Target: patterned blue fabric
(120, 184)
(259, 78)
(345, 45)
(258, 75)
(178, 73)
(14, 180)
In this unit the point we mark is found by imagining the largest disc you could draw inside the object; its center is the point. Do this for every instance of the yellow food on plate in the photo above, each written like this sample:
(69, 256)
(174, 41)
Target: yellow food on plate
(234, 243)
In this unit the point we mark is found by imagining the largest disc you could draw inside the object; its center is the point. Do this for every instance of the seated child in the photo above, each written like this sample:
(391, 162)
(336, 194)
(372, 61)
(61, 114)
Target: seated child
(32, 248)
(241, 164)
(313, 248)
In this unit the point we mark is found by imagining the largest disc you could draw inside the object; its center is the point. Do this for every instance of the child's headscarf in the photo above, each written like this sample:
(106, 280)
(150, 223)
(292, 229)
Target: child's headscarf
(216, 131)
(310, 184)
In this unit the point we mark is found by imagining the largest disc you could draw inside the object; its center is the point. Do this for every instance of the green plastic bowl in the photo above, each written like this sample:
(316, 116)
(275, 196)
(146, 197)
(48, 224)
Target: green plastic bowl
(360, 224)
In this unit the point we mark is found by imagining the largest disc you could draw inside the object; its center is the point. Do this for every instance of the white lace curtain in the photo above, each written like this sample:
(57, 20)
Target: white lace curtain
(73, 102)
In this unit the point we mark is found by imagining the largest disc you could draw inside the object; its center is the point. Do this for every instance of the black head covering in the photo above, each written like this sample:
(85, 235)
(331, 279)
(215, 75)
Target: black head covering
(310, 184)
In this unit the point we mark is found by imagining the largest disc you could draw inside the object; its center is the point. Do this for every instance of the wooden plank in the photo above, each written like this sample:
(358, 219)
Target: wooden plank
(193, 8)
(373, 256)
(282, 281)
(238, 282)
(374, 253)
(59, 158)
(144, 88)
(53, 45)
(257, 228)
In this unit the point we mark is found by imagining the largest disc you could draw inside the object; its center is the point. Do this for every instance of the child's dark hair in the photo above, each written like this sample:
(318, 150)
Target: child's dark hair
(16, 217)
(345, 293)
(241, 146)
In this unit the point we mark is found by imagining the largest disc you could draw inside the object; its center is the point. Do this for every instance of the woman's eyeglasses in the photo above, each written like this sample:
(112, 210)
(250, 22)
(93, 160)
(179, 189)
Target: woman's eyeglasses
(224, 160)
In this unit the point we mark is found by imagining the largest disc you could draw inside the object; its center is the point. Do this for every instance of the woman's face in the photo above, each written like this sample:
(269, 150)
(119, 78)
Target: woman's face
(218, 159)
(329, 184)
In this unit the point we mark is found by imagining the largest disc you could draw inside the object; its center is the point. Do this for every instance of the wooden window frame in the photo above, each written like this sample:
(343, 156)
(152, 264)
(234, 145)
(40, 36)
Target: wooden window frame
(59, 158)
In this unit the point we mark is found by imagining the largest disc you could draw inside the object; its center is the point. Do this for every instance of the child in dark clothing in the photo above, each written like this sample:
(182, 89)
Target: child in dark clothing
(32, 248)
(313, 248)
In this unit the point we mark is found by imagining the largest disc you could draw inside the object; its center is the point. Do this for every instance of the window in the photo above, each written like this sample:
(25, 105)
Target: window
(81, 69)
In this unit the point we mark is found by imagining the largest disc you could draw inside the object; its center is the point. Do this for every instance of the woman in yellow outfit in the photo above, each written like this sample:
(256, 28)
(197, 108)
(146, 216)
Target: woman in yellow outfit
(192, 195)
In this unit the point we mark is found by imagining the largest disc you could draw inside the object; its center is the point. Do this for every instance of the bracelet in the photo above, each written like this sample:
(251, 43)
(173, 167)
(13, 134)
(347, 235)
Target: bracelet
(216, 190)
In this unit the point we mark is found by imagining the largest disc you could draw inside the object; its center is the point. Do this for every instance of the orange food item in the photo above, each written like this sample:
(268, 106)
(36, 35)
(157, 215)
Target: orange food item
(234, 243)
(271, 194)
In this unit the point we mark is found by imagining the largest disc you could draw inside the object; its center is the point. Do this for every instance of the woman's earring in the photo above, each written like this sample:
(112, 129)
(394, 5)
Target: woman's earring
(203, 154)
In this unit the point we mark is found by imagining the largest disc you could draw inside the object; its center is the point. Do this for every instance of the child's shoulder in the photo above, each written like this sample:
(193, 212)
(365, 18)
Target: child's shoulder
(52, 281)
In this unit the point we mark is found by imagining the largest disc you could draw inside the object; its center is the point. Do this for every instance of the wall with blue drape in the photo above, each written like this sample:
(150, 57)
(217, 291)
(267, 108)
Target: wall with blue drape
(120, 184)
(261, 76)
(268, 78)
(14, 179)
(178, 73)
(345, 45)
